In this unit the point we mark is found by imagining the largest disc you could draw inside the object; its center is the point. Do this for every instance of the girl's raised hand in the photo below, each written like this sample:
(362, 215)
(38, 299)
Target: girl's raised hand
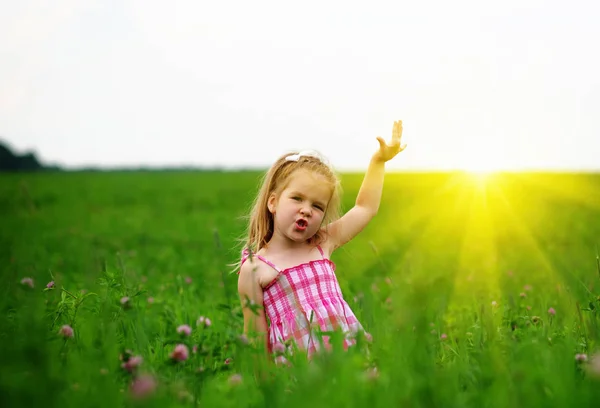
(389, 151)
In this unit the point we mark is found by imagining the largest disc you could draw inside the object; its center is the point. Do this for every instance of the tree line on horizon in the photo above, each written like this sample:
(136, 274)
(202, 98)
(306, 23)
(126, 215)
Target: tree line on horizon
(10, 161)
(28, 161)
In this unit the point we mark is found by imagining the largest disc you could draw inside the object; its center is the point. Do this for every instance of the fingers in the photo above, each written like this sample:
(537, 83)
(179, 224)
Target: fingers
(397, 131)
(395, 144)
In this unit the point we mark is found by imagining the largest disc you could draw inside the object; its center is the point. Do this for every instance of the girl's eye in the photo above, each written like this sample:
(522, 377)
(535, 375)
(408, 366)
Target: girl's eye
(296, 198)
(318, 207)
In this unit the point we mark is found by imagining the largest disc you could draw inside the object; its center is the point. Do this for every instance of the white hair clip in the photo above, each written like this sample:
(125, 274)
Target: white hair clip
(305, 153)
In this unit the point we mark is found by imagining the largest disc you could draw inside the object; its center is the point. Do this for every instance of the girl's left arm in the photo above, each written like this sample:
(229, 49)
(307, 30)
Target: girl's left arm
(369, 196)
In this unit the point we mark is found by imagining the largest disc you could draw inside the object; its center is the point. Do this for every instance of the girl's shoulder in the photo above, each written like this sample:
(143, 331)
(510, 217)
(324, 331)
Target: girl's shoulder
(255, 271)
(248, 276)
(247, 262)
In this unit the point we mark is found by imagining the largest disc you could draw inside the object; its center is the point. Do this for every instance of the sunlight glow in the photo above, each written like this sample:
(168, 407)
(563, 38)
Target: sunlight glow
(484, 157)
(478, 179)
(483, 233)
(481, 177)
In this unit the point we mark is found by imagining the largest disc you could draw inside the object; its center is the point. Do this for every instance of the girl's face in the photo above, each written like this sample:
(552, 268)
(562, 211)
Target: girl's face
(299, 209)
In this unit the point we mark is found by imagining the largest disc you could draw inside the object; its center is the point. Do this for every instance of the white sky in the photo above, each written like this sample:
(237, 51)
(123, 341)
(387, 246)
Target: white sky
(510, 84)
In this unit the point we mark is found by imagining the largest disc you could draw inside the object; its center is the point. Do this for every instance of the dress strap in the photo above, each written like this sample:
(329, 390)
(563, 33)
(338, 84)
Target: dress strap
(321, 251)
(246, 255)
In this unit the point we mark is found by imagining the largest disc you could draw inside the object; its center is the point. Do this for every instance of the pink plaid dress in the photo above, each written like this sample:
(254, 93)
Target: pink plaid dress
(303, 300)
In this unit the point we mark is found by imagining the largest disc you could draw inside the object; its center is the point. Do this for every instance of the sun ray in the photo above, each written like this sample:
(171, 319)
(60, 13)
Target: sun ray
(435, 223)
(463, 233)
(574, 187)
(523, 238)
(435, 249)
(427, 253)
(495, 226)
(478, 255)
(417, 219)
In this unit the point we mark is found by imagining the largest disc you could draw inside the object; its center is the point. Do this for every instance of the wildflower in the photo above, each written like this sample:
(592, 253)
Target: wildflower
(132, 363)
(188, 280)
(581, 358)
(369, 337)
(523, 294)
(203, 321)
(125, 301)
(372, 373)
(527, 288)
(551, 311)
(50, 285)
(66, 331)
(150, 300)
(444, 336)
(494, 303)
(180, 353)
(27, 282)
(184, 329)
(228, 361)
(195, 348)
(388, 281)
(235, 379)
(142, 386)
(279, 348)
(535, 319)
(528, 307)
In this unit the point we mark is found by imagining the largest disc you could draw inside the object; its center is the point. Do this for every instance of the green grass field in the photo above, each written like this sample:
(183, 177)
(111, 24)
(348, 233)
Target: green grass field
(456, 279)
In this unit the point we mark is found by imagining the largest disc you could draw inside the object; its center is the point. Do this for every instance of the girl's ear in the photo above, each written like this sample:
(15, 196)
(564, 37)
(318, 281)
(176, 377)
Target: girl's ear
(271, 203)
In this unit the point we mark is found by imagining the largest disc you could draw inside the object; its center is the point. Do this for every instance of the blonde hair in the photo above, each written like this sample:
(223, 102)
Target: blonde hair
(260, 220)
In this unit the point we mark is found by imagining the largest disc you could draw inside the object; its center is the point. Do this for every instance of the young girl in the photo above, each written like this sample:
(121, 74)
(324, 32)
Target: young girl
(293, 230)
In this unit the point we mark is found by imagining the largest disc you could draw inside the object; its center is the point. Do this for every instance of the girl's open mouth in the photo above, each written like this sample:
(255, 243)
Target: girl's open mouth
(301, 225)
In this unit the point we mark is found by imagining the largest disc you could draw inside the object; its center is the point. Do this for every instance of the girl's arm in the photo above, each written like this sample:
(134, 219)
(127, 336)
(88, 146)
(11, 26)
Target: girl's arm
(369, 196)
(251, 297)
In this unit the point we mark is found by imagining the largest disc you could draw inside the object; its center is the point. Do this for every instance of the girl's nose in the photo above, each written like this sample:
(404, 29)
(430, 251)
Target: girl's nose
(305, 211)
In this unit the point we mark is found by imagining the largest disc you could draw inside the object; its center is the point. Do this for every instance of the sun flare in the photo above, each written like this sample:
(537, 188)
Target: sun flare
(481, 172)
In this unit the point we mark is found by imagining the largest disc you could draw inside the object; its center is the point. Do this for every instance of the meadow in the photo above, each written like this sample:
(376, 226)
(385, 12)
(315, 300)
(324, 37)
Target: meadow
(478, 292)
